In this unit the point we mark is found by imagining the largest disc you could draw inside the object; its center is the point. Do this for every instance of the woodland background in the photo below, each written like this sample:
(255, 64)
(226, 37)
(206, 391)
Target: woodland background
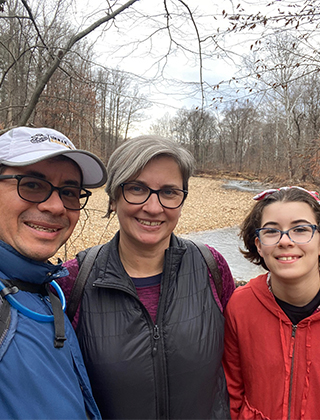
(264, 122)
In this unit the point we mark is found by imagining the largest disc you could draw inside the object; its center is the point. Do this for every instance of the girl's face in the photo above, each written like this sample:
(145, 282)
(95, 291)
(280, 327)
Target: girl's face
(287, 261)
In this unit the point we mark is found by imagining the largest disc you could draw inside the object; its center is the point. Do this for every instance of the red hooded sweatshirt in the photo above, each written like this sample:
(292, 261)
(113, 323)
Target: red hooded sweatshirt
(272, 367)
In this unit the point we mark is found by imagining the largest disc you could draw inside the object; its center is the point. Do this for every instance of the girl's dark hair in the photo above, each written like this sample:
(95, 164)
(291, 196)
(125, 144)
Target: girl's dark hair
(253, 219)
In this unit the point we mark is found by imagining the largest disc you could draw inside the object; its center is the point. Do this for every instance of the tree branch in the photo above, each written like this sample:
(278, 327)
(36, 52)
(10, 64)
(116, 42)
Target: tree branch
(24, 2)
(56, 62)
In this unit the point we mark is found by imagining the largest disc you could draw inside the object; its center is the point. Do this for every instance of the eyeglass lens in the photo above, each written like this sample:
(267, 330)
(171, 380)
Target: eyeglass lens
(36, 190)
(138, 194)
(299, 234)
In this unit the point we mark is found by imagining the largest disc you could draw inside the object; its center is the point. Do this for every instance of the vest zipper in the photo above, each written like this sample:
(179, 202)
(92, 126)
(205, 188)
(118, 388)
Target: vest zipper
(156, 336)
(292, 347)
(161, 375)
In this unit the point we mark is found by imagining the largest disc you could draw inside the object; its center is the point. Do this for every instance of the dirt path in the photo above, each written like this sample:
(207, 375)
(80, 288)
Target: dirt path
(207, 207)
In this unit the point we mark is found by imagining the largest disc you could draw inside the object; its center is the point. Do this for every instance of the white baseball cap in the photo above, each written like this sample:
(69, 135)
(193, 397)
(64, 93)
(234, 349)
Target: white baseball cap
(23, 146)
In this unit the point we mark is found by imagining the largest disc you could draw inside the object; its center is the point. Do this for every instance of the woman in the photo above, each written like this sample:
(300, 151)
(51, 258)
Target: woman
(272, 332)
(149, 326)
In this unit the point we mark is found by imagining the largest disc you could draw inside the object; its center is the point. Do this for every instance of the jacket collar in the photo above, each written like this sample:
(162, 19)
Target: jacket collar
(259, 287)
(14, 265)
(115, 274)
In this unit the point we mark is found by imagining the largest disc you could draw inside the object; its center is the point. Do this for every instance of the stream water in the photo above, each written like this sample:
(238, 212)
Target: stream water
(227, 241)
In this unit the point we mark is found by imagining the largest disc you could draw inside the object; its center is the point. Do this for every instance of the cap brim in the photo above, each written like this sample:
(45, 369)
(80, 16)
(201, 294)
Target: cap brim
(93, 170)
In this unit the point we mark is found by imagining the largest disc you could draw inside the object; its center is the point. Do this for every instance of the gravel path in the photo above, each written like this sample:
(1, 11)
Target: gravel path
(208, 207)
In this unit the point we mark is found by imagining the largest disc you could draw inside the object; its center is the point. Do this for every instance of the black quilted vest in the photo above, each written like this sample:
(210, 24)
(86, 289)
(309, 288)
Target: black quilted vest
(138, 370)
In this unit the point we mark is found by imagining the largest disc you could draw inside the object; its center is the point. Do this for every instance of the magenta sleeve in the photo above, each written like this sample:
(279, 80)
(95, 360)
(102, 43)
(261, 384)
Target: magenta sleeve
(66, 284)
(228, 285)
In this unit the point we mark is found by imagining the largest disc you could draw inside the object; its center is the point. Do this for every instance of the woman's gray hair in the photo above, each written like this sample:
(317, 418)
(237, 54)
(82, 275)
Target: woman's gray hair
(129, 159)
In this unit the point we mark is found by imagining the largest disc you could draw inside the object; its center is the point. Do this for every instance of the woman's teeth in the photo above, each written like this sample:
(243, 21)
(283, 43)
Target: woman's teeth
(147, 223)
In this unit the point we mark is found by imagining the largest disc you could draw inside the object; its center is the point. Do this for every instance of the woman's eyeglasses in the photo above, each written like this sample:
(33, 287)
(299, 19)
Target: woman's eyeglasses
(170, 198)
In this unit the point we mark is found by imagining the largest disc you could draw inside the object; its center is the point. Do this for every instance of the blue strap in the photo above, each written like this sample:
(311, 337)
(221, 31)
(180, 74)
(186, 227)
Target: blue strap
(31, 314)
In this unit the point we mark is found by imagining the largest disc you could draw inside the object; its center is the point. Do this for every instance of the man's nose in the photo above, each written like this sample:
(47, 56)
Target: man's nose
(53, 204)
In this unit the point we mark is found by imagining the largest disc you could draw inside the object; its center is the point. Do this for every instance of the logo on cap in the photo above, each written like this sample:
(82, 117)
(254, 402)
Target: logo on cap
(40, 138)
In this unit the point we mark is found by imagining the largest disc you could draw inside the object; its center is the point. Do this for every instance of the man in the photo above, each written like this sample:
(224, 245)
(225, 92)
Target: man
(42, 190)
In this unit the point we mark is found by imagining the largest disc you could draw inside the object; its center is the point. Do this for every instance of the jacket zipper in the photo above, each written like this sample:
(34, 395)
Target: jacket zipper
(293, 335)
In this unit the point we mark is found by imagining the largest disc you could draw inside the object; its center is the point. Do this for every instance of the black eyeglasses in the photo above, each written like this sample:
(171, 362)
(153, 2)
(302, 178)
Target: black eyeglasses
(301, 234)
(170, 198)
(38, 190)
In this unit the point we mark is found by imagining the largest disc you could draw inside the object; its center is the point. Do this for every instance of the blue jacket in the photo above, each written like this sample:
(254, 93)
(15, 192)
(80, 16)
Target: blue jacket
(37, 380)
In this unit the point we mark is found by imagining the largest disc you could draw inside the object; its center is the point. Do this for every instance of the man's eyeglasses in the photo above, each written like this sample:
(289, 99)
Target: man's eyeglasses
(170, 198)
(301, 234)
(38, 190)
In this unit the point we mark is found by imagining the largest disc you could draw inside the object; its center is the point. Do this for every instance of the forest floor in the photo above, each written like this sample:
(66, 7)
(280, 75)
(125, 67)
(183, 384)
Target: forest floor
(208, 206)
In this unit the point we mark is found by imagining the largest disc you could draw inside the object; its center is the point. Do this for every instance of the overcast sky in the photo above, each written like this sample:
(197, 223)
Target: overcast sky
(119, 47)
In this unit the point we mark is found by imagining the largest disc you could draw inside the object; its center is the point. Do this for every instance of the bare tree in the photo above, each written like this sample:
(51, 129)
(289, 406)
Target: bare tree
(298, 20)
(238, 128)
(121, 105)
(196, 129)
(164, 126)
(52, 55)
(56, 60)
(169, 21)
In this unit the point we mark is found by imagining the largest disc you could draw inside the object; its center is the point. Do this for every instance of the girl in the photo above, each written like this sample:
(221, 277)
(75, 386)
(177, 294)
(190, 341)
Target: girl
(272, 335)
